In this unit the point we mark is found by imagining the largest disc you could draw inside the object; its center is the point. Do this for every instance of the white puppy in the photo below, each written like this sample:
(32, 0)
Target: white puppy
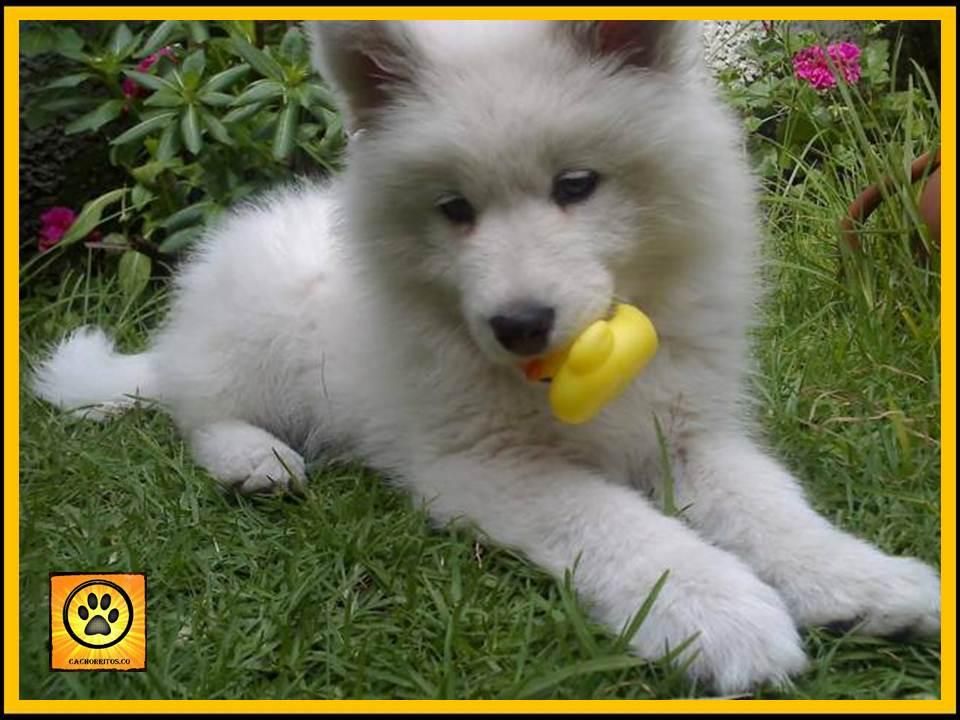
(508, 183)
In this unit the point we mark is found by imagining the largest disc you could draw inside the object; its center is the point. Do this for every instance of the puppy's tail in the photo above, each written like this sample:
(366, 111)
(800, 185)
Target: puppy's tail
(86, 375)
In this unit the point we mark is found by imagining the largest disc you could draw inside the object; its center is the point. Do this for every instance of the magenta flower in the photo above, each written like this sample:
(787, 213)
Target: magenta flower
(150, 60)
(812, 64)
(130, 87)
(55, 222)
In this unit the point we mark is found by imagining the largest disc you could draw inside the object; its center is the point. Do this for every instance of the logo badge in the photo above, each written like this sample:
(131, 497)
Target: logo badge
(98, 622)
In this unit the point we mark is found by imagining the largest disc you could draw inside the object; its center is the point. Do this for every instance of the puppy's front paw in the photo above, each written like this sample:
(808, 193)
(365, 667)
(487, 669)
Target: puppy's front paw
(876, 593)
(273, 469)
(247, 458)
(745, 636)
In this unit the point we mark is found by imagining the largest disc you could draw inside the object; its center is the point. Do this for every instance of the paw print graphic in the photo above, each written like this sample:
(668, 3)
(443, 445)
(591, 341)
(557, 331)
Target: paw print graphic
(99, 624)
(98, 614)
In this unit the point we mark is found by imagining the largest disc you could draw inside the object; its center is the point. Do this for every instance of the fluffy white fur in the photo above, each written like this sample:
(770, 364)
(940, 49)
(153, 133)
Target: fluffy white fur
(351, 317)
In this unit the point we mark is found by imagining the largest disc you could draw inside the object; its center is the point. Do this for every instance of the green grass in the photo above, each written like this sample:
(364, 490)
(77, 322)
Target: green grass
(347, 592)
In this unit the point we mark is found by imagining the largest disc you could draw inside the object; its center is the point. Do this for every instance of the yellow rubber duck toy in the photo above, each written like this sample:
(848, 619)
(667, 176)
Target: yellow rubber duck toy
(598, 365)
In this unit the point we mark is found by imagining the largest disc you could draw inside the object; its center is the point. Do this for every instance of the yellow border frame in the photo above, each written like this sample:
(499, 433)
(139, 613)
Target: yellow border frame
(11, 681)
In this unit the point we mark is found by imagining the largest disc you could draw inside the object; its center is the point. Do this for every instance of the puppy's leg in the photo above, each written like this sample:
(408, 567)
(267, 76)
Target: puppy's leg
(246, 458)
(744, 501)
(562, 516)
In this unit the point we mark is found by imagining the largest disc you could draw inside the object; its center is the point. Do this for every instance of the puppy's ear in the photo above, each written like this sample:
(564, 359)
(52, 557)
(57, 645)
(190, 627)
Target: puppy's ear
(667, 45)
(365, 62)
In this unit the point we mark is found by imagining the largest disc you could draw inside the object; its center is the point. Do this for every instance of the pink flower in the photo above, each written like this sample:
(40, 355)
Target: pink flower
(55, 222)
(150, 60)
(812, 64)
(131, 89)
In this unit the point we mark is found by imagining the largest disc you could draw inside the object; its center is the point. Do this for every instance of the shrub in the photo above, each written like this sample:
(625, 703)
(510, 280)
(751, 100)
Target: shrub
(197, 115)
(797, 107)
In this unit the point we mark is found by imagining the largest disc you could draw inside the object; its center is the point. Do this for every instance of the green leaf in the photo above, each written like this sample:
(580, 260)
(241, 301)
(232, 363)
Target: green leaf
(67, 103)
(213, 212)
(164, 99)
(127, 50)
(140, 196)
(181, 239)
(134, 273)
(194, 174)
(286, 133)
(293, 47)
(225, 79)
(169, 144)
(50, 38)
(125, 155)
(67, 40)
(195, 63)
(153, 82)
(78, 56)
(242, 113)
(263, 63)
(159, 38)
(36, 117)
(875, 56)
(216, 99)
(216, 128)
(190, 130)
(241, 191)
(68, 81)
(36, 42)
(147, 173)
(246, 28)
(121, 38)
(186, 217)
(145, 128)
(90, 215)
(198, 31)
(260, 91)
(308, 131)
(97, 118)
(334, 137)
(313, 94)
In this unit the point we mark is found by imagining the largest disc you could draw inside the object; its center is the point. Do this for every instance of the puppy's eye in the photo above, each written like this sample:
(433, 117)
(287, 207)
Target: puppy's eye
(457, 209)
(573, 186)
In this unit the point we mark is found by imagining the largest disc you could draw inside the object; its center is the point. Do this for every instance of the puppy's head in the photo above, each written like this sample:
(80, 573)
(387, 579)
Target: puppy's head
(525, 174)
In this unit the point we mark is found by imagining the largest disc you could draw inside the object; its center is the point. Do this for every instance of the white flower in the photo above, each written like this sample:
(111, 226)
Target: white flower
(726, 46)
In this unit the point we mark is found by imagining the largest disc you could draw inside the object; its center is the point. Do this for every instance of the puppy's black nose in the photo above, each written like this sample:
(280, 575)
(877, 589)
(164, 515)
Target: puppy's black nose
(525, 329)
